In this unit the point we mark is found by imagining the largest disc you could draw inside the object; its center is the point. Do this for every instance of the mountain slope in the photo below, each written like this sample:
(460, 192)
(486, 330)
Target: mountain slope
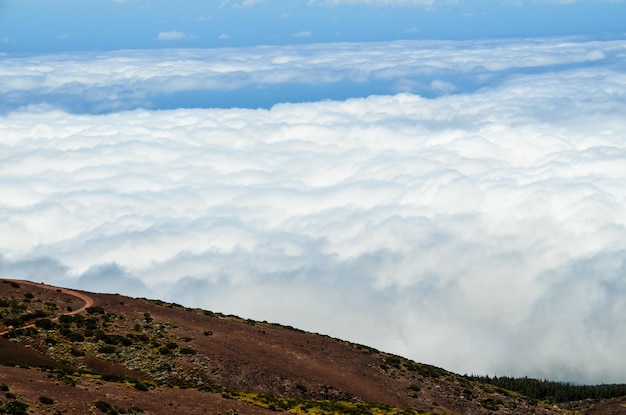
(162, 358)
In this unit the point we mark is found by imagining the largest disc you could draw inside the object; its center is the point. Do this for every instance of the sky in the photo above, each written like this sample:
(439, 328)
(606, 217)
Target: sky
(443, 180)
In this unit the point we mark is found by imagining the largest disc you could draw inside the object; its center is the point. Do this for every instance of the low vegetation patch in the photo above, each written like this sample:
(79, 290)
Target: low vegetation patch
(317, 407)
(111, 409)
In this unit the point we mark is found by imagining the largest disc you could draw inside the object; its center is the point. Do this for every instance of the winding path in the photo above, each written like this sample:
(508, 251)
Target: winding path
(88, 301)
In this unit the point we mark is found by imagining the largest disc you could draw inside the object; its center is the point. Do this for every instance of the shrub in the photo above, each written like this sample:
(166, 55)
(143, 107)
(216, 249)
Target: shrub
(13, 321)
(138, 337)
(95, 310)
(76, 337)
(4, 387)
(105, 407)
(50, 341)
(164, 350)
(393, 361)
(91, 323)
(46, 400)
(107, 349)
(16, 408)
(490, 404)
(30, 296)
(188, 350)
(45, 323)
(140, 386)
(77, 352)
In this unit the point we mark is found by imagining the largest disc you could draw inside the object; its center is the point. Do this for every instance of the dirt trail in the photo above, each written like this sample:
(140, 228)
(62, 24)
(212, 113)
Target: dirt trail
(88, 301)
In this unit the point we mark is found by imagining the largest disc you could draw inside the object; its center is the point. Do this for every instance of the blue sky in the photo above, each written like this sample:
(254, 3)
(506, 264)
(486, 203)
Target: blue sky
(64, 25)
(438, 179)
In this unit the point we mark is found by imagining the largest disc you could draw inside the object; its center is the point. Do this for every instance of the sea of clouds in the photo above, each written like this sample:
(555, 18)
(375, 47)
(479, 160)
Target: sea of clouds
(480, 227)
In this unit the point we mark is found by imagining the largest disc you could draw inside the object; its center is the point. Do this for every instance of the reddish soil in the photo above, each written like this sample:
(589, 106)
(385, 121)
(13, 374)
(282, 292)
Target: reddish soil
(238, 355)
(86, 299)
(29, 385)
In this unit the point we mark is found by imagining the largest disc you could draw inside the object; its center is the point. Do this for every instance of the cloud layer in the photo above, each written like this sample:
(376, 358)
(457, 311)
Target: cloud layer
(483, 231)
(124, 80)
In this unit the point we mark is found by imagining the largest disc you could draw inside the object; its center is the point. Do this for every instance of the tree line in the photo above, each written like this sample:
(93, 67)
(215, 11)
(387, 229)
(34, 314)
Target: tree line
(552, 391)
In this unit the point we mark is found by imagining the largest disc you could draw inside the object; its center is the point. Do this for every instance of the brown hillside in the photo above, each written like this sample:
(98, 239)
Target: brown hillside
(164, 358)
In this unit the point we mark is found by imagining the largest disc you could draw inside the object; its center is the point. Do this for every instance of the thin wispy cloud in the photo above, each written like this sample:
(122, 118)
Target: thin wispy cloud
(458, 230)
(429, 3)
(173, 35)
(304, 33)
(241, 4)
(375, 2)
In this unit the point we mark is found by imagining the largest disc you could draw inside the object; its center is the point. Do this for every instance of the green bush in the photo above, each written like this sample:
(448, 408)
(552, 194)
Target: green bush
(107, 349)
(140, 386)
(46, 400)
(16, 408)
(106, 407)
(95, 310)
(77, 352)
(392, 361)
(76, 337)
(164, 350)
(13, 321)
(46, 324)
(50, 341)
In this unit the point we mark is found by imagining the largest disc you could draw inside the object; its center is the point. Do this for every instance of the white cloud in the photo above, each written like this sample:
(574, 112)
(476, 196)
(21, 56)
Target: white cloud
(376, 2)
(304, 33)
(482, 231)
(429, 3)
(241, 4)
(173, 35)
(131, 79)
